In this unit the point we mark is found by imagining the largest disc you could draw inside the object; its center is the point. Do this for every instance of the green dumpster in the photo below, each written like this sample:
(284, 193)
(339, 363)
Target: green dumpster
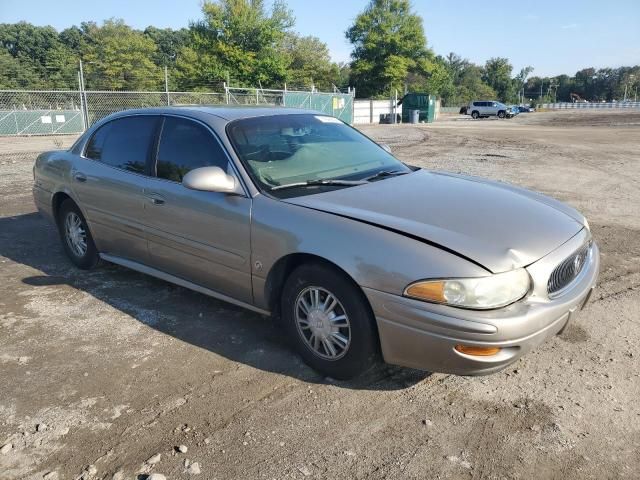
(425, 103)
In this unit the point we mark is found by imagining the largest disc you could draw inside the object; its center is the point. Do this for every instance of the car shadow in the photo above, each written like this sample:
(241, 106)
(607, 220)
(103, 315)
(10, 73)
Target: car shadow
(232, 332)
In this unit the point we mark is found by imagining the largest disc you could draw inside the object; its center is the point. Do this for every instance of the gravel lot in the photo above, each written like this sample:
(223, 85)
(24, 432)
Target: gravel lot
(104, 374)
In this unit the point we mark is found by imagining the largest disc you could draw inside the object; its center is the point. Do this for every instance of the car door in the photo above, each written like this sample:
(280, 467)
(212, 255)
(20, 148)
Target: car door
(109, 180)
(202, 237)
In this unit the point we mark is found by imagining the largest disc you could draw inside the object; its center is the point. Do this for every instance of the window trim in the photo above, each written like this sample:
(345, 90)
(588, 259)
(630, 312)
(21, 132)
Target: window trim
(153, 151)
(154, 159)
(148, 160)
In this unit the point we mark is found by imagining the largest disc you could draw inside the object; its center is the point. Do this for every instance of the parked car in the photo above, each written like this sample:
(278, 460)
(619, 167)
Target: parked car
(484, 109)
(512, 111)
(526, 109)
(295, 214)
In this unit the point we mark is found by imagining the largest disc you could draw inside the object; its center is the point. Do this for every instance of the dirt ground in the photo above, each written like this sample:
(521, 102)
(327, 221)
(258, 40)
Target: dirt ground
(102, 371)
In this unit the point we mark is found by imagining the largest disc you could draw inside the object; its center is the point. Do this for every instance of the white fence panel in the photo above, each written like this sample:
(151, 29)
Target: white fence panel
(588, 105)
(369, 111)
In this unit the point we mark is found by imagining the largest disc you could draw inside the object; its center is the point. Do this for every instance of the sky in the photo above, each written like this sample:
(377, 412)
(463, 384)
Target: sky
(553, 36)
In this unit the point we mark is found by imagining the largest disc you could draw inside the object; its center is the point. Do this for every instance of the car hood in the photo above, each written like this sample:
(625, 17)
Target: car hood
(496, 225)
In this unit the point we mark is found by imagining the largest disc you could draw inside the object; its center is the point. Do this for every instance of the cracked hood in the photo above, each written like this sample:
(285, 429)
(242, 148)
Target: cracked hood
(496, 225)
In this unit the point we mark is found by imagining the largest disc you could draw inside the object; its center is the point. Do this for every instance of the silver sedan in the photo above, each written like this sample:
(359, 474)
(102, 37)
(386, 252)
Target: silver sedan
(294, 214)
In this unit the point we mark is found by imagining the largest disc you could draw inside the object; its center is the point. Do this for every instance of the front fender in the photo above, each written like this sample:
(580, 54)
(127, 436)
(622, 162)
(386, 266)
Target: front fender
(373, 257)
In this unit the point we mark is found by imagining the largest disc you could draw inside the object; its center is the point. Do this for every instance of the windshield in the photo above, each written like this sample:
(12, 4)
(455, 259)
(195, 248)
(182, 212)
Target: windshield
(291, 149)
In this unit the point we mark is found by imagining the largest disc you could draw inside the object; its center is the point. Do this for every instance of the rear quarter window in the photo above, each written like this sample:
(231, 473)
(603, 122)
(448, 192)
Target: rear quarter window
(123, 143)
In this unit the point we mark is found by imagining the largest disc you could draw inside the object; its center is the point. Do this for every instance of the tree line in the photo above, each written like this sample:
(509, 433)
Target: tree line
(244, 43)
(238, 41)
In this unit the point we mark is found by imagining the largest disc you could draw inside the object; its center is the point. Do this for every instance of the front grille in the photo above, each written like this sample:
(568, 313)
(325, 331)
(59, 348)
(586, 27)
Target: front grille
(568, 270)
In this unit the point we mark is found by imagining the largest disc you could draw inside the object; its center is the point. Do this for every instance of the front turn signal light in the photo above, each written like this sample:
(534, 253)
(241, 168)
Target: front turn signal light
(428, 291)
(477, 351)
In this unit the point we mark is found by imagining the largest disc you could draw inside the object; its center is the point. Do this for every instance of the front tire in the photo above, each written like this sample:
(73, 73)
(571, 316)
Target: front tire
(501, 114)
(76, 237)
(329, 321)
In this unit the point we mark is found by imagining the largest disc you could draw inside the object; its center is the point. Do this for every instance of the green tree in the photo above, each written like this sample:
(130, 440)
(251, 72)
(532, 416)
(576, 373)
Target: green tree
(466, 82)
(456, 66)
(240, 40)
(118, 57)
(389, 44)
(497, 74)
(310, 63)
(440, 79)
(520, 80)
(472, 87)
(168, 43)
(344, 75)
(38, 50)
(76, 38)
(17, 75)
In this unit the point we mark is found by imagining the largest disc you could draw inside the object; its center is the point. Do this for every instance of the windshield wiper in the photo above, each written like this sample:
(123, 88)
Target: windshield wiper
(310, 183)
(385, 173)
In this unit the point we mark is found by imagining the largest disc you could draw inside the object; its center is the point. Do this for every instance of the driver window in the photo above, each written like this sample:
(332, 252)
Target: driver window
(184, 146)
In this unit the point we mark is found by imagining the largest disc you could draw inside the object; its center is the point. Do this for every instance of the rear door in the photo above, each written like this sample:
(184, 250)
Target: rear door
(199, 236)
(109, 183)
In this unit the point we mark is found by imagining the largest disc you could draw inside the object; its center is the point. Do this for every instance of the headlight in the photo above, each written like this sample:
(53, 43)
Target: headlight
(480, 293)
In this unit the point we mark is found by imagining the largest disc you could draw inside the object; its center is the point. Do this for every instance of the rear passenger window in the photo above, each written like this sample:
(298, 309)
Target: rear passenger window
(123, 143)
(184, 146)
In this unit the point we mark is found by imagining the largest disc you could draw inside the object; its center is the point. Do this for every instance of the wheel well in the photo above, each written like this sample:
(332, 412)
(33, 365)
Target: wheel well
(58, 198)
(282, 269)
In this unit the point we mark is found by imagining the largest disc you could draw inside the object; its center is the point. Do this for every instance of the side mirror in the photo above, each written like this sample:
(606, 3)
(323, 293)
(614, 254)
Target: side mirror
(211, 179)
(385, 147)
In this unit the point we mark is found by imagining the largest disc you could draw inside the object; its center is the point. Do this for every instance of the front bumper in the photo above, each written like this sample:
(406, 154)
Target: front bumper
(422, 335)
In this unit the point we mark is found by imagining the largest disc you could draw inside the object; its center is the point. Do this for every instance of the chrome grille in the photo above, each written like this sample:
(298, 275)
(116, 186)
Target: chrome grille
(568, 270)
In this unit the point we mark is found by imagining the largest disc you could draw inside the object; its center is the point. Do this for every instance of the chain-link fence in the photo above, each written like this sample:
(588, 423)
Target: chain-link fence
(40, 112)
(37, 112)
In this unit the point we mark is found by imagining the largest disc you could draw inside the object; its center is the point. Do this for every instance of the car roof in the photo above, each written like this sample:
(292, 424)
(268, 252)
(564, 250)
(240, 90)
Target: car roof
(225, 112)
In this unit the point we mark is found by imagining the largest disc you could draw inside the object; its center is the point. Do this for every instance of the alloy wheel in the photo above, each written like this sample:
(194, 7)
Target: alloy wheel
(75, 234)
(322, 322)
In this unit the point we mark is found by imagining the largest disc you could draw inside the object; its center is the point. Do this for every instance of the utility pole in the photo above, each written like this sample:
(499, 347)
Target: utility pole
(166, 85)
(83, 94)
(541, 84)
(84, 126)
(629, 80)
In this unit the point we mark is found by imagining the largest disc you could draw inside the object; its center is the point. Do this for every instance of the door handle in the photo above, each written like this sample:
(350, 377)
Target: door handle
(80, 177)
(155, 199)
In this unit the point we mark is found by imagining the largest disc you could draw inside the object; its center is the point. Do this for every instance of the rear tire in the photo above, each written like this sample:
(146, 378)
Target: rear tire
(475, 115)
(76, 238)
(329, 321)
